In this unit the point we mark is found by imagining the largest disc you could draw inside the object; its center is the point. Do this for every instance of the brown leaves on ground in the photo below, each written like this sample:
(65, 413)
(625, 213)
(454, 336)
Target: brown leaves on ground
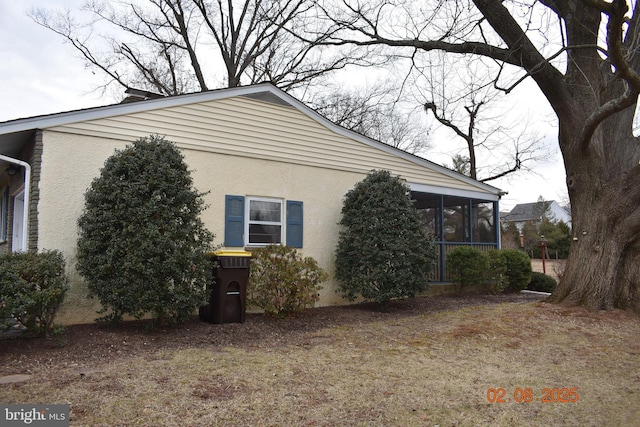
(424, 361)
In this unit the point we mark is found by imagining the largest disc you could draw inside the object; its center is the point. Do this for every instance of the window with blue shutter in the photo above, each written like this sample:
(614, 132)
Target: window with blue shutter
(294, 224)
(234, 221)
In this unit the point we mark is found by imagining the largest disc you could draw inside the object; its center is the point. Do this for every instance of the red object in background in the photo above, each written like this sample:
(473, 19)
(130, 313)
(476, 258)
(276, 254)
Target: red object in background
(543, 246)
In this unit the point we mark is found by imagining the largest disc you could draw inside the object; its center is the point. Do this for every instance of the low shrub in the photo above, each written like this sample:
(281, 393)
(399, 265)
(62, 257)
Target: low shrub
(32, 288)
(467, 265)
(497, 273)
(542, 282)
(518, 269)
(282, 282)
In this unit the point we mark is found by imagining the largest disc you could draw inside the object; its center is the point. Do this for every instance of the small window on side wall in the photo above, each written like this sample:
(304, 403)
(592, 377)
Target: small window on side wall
(259, 221)
(264, 224)
(4, 214)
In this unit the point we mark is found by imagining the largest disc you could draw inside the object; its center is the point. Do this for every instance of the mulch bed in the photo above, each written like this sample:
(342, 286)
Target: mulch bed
(95, 345)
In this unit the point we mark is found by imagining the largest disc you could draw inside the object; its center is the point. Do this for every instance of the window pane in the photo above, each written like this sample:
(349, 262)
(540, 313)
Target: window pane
(431, 217)
(456, 219)
(264, 211)
(259, 233)
(483, 222)
(429, 207)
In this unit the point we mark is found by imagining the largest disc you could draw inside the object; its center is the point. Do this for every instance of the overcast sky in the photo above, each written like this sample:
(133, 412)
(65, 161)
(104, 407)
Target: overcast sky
(40, 74)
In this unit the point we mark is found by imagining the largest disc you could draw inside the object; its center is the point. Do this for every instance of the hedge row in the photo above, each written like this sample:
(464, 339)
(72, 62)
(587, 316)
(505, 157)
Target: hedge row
(505, 270)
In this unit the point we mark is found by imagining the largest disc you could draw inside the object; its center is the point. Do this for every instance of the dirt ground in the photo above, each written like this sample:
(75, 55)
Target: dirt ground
(432, 361)
(94, 345)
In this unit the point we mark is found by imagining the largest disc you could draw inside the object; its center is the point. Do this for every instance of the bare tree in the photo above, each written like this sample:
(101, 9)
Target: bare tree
(377, 114)
(583, 55)
(180, 46)
(490, 134)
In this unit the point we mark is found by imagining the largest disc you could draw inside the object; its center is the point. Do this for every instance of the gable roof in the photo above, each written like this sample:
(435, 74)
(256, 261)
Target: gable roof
(14, 133)
(528, 211)
(523, 212)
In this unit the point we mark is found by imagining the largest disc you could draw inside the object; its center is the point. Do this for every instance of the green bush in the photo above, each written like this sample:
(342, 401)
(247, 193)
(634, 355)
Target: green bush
(497, 272)
(142, 245)
(542, 282)
(518, 269)
(467, 266)
(384, 250)
(282, 282)
(32, 288)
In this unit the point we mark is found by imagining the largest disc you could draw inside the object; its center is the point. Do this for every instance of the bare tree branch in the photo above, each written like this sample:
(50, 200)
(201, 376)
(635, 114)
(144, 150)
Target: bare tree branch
(376, 114)
(616, 11)
(168, 42)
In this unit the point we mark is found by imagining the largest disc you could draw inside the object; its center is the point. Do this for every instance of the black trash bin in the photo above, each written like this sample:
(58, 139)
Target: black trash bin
(229, 291)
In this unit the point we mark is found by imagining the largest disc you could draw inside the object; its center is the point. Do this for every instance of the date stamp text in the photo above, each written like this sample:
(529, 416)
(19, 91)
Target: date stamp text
(527, 395)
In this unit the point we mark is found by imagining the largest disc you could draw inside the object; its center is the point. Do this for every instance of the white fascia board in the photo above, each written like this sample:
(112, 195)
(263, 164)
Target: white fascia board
(447, 191)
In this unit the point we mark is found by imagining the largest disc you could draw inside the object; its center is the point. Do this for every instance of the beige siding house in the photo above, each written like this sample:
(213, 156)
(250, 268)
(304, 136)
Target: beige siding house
(252, 147)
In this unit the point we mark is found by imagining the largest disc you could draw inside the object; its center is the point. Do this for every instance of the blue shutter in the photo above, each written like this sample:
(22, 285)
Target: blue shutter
(294, 224)
(234, 221)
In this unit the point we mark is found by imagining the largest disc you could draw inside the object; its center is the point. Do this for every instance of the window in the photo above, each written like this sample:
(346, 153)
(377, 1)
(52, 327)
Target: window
(264, 224)
(483, 222)
(17, 224)
(456, 219)
(259, 221)
(429, 207)
(4, 214)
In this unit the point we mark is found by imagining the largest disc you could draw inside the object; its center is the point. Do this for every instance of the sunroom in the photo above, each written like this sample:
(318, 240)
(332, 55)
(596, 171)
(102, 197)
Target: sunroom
(458, 218)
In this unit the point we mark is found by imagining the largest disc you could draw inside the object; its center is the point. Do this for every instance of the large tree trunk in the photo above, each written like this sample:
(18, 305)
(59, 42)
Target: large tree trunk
(603, 170)
(603, 179)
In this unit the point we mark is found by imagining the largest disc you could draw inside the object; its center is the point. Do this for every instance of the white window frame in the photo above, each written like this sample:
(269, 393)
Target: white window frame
(248, 222)
(17, 221)
(4, 215)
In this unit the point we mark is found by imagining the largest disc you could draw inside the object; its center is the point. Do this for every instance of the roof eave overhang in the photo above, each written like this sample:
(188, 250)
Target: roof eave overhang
(457, 192)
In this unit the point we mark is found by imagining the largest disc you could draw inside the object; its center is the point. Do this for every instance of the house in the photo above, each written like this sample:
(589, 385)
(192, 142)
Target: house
(251, 148)
(523, 213)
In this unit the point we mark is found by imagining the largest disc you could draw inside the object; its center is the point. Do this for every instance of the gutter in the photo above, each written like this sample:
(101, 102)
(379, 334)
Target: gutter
(27, 191)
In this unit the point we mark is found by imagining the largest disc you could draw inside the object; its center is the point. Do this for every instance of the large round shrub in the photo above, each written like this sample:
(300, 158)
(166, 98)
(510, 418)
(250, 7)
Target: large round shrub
(467, 266)
(142, 246)
(283, 282)
(518, 269)
(384, 250)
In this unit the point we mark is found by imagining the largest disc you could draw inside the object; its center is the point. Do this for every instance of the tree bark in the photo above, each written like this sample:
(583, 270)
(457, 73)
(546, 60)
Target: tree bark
(602, 161)
(601, 156)
(603, 269)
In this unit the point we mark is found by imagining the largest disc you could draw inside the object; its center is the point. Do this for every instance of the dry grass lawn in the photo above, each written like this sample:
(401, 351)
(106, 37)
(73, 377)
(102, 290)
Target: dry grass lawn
(423, 369)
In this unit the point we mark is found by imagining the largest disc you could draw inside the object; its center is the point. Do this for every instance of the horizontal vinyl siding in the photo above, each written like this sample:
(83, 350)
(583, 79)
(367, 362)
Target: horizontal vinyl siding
(245, 127)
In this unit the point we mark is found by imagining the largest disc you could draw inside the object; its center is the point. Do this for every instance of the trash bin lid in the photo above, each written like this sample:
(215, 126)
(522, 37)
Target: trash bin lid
(223, 252)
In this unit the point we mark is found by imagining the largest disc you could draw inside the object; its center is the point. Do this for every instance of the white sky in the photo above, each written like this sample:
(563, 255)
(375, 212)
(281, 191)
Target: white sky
(40, 74)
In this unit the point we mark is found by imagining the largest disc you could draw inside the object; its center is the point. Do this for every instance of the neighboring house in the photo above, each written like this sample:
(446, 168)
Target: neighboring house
(253, 149)
(534, 212)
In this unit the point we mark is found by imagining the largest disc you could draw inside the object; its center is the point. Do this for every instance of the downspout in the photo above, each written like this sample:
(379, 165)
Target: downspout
(27, 191)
